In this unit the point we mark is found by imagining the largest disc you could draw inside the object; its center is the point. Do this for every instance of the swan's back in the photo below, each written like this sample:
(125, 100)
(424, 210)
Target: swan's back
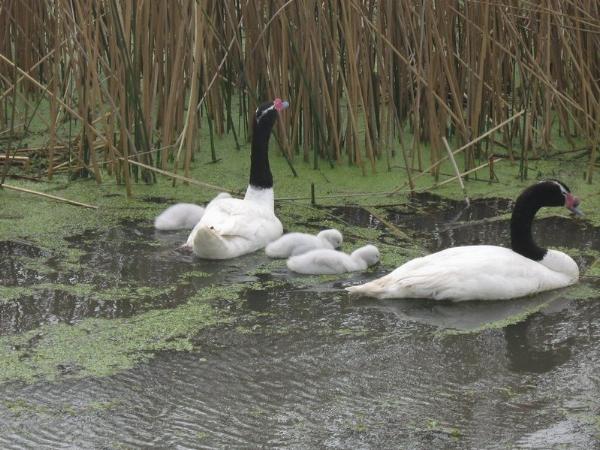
(481, 272)
(232, 227)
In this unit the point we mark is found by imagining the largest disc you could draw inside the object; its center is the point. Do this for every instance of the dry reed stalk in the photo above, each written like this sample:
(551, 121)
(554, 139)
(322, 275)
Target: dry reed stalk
(463, 174)
(468, 144)
(457, 171)
(179, 177)
(359, 74)
(42, 194)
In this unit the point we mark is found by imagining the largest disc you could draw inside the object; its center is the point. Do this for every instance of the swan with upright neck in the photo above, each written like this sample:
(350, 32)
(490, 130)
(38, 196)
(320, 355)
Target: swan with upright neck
(233, 227)
(487, 272)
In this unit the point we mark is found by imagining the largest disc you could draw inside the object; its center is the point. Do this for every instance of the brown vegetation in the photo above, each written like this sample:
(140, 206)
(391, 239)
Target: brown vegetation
(367, 79)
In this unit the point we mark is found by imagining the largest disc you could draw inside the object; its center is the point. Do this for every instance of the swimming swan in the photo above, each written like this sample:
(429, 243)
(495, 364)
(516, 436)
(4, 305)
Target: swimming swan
(292, 244)
(327, 261)
(486, 272)
(182, 215)
(232, 227)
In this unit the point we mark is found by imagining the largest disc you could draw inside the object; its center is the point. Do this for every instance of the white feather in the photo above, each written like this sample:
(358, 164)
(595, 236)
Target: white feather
(232, 227)
(292, 244)
(327, 261)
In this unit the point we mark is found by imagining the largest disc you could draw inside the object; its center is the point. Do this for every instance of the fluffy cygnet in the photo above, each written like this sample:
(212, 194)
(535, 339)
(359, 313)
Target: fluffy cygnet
(179, 216)
(182, 215)
(327, 261)
(292, 244)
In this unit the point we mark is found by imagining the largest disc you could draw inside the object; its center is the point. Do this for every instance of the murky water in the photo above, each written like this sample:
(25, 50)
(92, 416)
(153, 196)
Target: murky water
(301, 365)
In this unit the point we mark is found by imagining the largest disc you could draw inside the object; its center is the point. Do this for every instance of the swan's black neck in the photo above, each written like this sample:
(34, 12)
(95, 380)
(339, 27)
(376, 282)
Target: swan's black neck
(260, 171)
(521, 238)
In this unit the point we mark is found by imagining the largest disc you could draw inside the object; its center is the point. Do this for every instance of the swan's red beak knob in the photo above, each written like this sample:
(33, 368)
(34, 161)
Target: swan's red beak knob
(572, 204)
(280, 105)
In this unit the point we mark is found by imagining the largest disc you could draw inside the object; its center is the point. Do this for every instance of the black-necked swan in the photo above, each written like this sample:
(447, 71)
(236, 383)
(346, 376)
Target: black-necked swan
(232, 227)
(328, 262)
(292, 244)
(182, 216)
(487, 272)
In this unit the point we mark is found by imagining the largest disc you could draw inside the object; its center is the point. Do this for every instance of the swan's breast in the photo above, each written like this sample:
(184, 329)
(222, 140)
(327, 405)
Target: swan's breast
(561, 263)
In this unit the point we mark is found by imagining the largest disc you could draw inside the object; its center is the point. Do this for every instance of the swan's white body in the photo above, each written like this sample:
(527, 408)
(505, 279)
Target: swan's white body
(292, 244)
(327, 261)
(232, 227)
(179, 216)
(478, 272)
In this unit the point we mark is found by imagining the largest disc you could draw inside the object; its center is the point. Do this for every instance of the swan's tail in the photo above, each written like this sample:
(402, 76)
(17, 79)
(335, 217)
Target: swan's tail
(388, 286)
(208, 243)
(376, 288)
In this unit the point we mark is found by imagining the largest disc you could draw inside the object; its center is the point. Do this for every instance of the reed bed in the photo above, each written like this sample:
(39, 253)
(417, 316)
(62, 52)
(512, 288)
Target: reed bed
(124, 87)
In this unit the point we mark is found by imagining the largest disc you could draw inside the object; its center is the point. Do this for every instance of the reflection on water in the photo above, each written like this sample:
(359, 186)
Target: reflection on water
(300, 365)
(529, 353)
(466, 316)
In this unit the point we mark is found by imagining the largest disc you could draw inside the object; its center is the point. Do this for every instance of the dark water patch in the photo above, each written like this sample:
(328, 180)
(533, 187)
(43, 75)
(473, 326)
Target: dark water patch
(14, 270)
(159, 200)
(129, 253)
(357, 216)
(53, 304)
(528, 351)
(548, 232)
(121, 272)
(137, 253)
(14, 248)
(430, 211)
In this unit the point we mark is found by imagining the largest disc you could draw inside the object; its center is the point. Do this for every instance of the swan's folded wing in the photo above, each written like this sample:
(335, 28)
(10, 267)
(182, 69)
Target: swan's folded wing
(461, 273)
(480, 276)
(232, 217)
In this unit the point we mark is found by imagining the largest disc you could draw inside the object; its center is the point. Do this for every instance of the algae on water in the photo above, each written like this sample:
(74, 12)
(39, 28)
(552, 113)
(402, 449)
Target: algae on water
(100, 347)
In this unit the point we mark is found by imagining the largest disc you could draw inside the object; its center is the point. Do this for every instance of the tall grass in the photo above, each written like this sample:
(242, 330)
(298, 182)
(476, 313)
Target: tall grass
(368, 80)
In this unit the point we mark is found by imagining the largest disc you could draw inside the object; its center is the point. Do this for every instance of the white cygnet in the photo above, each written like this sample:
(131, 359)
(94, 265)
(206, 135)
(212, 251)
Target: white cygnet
(292, 244)
(327, 261)
(182, 215)
(179, 216)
